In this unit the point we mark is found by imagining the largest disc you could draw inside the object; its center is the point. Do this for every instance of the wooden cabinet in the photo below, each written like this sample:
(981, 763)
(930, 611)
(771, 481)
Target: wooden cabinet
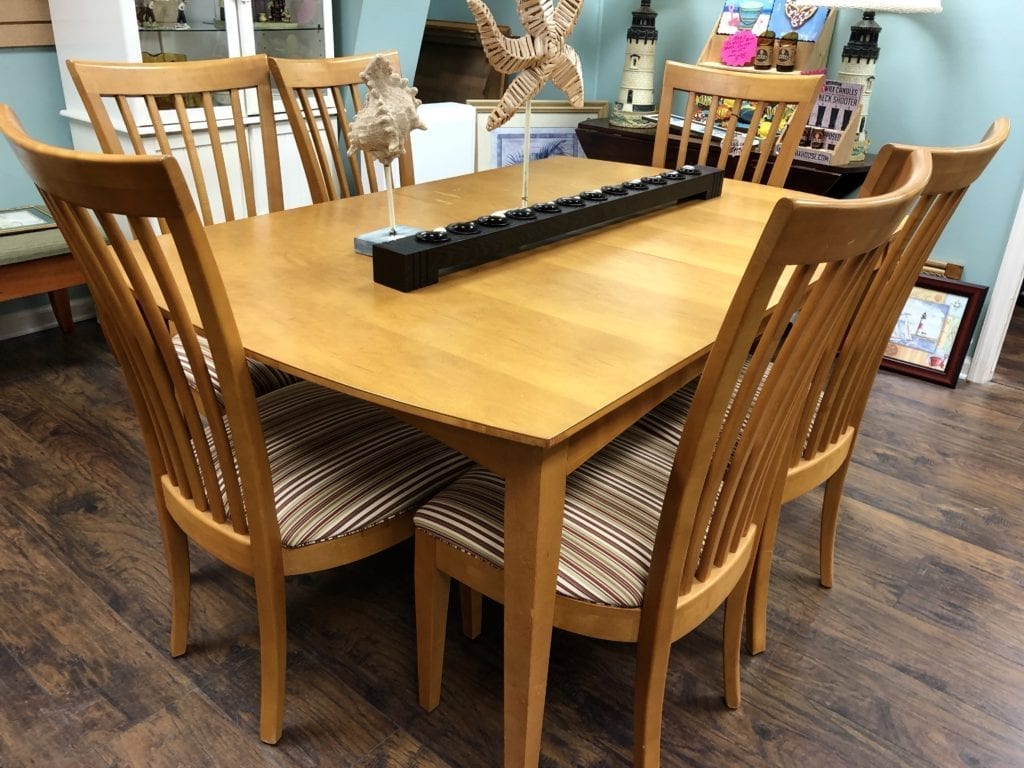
(602, 141)
(452, 65)
(122, 30)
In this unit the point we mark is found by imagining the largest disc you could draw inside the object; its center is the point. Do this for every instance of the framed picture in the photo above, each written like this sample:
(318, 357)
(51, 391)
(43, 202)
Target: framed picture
(552, 131)
(780, 17)
(25, 219)
(931, 336)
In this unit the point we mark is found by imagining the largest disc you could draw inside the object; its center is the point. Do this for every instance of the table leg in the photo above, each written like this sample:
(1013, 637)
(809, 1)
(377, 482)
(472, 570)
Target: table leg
(534, 499)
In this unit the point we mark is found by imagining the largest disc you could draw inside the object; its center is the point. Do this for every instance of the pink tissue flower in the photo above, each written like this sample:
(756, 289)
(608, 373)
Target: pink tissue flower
(739, 49)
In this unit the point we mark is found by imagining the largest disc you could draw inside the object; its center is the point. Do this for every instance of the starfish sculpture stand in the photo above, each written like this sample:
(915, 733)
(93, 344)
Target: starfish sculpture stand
(540, 55)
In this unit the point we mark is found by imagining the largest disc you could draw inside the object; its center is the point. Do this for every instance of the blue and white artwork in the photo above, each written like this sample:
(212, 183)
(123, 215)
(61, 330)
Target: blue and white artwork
(507, 144)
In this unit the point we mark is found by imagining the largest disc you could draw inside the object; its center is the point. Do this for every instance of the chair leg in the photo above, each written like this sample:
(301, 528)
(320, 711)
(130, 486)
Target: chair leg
(471, 605)
(829, 522)
(649, 702)
(757, 597)
(270, 606)
(178, 569)
(735, 606)
(432, 588)
(60, 303)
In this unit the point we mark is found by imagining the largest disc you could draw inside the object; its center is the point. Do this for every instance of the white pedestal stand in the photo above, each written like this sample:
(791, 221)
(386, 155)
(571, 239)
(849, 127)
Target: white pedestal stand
(364, 243)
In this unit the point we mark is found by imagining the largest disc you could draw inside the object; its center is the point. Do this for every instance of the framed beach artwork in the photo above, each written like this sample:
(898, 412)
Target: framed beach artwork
(934, 329)
(552, 132)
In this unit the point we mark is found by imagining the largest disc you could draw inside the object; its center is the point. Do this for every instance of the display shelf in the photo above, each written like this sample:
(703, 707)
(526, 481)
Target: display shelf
(260, 26)
(810, 55)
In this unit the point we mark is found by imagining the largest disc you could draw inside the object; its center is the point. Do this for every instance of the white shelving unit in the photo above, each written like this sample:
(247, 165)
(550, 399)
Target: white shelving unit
(113, 30)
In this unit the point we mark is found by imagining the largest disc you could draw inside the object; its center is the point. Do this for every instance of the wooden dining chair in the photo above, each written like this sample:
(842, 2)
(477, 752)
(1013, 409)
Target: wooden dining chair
(298, 480)
(832, 414)
(656, 533)
(833, 423)
(197, 108)
(321, 97)
(744, 103)
(234, 167)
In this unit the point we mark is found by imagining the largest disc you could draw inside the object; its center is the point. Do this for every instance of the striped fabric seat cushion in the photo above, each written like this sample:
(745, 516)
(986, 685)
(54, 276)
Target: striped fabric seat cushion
(340, 465)
(667, 419)
(265, 378)
(612, 506)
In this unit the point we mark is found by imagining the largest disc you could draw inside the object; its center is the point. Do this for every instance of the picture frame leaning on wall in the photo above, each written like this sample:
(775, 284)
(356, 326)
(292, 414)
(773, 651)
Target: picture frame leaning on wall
(552, 131)
(935, 328)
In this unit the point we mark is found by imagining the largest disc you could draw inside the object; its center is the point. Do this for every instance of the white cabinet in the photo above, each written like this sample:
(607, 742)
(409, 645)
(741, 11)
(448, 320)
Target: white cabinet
(138, 30)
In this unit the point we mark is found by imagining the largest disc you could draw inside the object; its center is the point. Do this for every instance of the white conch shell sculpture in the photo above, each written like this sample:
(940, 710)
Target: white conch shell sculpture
(382, 126)
(541, 54)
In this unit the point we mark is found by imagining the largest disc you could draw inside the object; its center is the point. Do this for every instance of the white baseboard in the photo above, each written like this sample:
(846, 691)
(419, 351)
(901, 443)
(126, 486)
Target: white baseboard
(40, 318)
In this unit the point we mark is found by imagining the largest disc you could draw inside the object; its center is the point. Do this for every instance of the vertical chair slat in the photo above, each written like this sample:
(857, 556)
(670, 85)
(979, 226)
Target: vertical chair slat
(245, 163)
(749, 141)
(767, 145)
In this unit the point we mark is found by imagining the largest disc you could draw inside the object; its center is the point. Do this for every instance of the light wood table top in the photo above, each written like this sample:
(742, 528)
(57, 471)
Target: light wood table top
(530, 347)
(529, 364)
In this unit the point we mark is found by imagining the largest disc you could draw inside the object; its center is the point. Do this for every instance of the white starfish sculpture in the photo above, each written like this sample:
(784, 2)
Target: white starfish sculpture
(540, 55)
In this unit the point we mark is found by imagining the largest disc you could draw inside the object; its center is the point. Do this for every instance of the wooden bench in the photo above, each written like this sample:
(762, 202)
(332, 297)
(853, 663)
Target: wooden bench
(39, 262)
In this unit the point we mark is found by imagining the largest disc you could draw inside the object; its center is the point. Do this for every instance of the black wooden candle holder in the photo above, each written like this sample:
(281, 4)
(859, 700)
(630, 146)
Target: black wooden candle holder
(412, 262)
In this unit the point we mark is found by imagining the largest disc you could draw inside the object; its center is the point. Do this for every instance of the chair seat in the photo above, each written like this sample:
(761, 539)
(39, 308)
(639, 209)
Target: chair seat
(667, 419)
(340, 465)
(612, 506)
(265, 378)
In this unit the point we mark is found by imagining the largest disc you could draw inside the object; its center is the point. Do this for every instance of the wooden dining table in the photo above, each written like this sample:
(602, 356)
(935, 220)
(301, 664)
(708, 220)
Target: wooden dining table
(528, 364)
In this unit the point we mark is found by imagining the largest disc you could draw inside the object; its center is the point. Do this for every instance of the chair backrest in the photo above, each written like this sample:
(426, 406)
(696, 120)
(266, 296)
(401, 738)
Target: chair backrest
(204, 465)
(767, 103)
(202, 103)
(849, 383)
(321, 96)
(812, 263)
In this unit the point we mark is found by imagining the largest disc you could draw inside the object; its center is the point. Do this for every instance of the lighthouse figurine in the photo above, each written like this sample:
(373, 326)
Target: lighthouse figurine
(860, 55)
(636, 92)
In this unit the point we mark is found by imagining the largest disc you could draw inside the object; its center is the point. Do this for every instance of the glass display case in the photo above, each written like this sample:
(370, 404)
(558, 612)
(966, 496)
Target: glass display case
(212, 29)
(189, 30)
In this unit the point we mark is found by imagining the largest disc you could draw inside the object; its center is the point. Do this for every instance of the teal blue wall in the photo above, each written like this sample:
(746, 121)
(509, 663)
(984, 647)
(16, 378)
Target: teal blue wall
(378, 25)
(31, 86)
(942, 78)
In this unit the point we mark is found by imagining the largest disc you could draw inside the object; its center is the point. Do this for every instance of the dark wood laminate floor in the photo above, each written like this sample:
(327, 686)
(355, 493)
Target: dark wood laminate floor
(915, 658)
